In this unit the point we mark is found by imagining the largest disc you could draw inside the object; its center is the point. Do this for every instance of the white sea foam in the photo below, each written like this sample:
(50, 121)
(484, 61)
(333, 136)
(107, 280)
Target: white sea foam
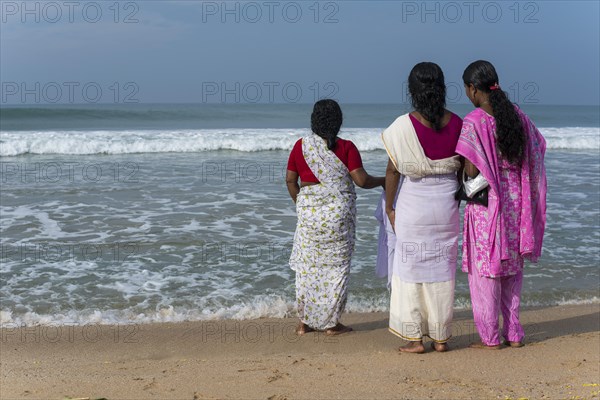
(15, 143)
(572, 138)
(260, 307)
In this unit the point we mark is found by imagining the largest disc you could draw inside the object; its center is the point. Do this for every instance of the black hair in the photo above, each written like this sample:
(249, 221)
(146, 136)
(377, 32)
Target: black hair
(326, 120)
(510, 134)
(428, 92)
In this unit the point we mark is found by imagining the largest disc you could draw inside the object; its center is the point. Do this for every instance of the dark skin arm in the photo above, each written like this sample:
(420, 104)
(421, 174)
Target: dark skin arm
(392, 177)
(362, 179)
(470, 169)
(291, 180)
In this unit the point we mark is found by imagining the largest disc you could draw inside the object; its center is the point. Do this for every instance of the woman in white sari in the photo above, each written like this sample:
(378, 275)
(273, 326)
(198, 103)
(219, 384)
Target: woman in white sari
(421, 148)
(328, 168)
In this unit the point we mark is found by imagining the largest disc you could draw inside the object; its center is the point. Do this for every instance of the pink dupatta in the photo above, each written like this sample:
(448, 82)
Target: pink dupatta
(477, 143)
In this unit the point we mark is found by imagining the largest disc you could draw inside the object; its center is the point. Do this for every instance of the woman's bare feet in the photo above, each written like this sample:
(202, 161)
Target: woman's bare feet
(481, 345)
(413, 347)
(338, 330)
(440, 347)
(302, 328)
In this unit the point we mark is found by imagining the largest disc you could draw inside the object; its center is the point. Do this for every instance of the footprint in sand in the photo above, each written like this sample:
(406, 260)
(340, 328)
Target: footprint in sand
(328, 366)
(251, 370)
(277, 397)
(277, 375)
(200, 396)
(571, 364)
(151, 385)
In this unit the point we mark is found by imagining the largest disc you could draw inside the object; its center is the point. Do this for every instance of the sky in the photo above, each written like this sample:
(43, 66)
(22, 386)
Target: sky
(545, 52)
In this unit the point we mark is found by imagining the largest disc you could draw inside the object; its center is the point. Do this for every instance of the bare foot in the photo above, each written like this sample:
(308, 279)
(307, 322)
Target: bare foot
(413, 347)
(513, 344)
(302, 328)
(481, 345)
(440, 347)
(338, 330)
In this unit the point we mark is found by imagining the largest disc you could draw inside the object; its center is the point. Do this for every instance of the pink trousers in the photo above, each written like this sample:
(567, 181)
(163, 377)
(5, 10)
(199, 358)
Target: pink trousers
(489, 298)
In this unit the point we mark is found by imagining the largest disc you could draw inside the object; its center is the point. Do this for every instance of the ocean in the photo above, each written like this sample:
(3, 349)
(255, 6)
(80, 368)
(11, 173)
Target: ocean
(137, 213)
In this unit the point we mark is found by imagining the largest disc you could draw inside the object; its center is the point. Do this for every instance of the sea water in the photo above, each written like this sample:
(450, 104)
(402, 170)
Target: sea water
(148, 213)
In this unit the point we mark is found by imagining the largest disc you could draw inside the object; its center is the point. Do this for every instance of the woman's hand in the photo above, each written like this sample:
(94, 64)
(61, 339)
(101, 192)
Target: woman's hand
(392, 217)
(392, 179)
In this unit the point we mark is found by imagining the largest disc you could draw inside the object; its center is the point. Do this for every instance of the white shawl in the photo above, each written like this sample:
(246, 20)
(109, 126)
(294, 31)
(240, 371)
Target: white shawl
(402, 145)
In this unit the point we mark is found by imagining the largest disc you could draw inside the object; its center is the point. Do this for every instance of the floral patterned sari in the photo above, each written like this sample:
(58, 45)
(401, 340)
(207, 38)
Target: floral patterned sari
(324, 238)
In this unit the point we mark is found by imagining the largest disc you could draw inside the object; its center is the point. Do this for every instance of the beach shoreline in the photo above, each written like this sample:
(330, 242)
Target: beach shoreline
(264, 359)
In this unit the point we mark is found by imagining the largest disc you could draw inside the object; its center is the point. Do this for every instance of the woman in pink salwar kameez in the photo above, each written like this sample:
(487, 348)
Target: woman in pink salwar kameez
(499, 141)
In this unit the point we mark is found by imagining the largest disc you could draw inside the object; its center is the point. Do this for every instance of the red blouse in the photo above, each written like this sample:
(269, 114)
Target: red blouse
(345, 150)
(441, 144)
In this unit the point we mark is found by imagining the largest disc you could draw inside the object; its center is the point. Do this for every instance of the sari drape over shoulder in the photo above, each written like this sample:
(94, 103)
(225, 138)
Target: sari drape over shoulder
(402, 145)
(491, 247)
(324, 238)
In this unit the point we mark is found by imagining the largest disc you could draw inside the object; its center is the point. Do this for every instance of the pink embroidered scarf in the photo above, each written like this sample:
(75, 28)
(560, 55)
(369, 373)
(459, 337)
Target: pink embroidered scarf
(477, 143)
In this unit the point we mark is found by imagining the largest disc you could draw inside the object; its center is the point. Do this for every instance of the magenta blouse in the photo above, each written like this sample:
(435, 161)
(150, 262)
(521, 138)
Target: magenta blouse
(441, 144)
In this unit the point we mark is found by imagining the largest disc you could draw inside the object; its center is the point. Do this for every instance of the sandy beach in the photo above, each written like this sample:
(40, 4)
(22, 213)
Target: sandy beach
(263, 359)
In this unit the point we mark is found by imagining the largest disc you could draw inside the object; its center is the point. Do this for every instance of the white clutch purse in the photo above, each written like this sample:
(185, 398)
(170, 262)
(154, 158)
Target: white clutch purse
(475, 185)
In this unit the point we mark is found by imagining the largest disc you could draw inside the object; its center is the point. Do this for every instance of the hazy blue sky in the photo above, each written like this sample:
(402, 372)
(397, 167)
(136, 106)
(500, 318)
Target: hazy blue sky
(355, 51)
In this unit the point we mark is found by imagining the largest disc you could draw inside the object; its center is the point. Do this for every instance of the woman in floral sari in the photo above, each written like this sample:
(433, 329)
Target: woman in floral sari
(499, 141)
(328, 168)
